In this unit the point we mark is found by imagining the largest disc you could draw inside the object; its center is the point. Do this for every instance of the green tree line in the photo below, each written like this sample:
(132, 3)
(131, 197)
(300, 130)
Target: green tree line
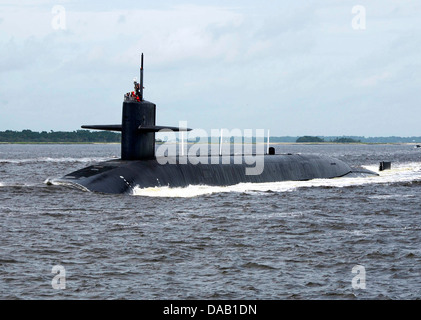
(79, 136)
(336, 140)
(86, 136)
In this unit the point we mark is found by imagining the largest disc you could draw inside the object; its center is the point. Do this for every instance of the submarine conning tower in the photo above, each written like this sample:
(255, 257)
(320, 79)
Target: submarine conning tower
(138, 144)
(137, 125)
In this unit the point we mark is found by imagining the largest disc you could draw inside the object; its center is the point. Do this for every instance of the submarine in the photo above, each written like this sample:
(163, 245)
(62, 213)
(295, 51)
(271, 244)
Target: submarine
(139, 166)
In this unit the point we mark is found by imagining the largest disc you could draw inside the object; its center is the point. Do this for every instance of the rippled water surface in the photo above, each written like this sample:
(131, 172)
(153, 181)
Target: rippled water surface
(286, 240)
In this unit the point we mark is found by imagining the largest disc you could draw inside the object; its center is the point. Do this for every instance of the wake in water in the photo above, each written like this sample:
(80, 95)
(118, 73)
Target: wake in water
(53, 160)
(405, 172)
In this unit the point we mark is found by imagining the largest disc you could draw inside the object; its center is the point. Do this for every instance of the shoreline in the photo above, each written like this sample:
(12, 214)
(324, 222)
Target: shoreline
(189, 143)
(31, 142)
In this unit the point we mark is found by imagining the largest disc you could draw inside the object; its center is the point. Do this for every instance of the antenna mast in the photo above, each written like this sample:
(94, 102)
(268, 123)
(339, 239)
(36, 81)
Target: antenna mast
(141, 77)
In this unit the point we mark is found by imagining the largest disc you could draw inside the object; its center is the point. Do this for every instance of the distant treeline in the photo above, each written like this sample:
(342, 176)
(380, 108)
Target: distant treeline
(81, 136)
(349, 139)
(335, 140)
(86, 136)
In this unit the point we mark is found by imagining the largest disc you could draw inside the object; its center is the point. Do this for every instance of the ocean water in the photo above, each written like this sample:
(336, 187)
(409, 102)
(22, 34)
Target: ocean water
(345, 238)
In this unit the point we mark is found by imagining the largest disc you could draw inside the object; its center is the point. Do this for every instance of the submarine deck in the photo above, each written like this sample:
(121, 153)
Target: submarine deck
(121, 176)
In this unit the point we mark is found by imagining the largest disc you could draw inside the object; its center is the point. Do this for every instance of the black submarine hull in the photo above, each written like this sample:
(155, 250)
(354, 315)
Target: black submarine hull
(121, 176)
(139, 166)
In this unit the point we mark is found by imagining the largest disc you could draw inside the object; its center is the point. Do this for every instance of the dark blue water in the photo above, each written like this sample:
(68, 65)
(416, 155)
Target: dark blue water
(290, 240)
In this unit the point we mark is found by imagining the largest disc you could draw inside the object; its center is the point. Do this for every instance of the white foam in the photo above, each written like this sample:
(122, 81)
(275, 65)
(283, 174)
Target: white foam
(57, 160)
(17, 184)
(392, 196)
(404, 172)
(54, 182)
(186, 192)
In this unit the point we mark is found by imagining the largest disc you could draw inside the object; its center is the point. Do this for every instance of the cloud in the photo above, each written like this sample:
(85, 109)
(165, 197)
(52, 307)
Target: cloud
(374, 79)
(285, 66)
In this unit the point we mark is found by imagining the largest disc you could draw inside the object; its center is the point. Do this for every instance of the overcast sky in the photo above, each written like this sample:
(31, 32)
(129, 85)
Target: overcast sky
(294, 67)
